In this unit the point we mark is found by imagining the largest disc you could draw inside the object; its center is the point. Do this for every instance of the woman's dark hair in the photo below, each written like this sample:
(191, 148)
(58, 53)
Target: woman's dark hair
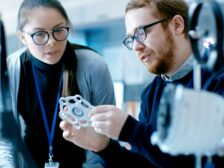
(70, 84)
(28, 5)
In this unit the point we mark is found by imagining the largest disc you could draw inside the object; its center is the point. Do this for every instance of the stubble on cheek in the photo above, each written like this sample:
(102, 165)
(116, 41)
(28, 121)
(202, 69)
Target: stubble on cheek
(165, 57)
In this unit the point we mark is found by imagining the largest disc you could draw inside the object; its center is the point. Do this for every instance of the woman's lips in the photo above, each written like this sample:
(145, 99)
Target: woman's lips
(52, 53)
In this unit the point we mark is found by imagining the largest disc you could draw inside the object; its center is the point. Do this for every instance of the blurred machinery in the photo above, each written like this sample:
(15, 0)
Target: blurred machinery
(13, 152)
(191, 121)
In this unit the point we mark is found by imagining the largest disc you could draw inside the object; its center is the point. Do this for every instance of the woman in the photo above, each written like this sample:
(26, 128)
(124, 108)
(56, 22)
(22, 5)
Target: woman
(48, 68)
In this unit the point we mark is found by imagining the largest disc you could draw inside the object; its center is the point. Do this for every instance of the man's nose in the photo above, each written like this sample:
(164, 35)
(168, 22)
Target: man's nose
(137, 45)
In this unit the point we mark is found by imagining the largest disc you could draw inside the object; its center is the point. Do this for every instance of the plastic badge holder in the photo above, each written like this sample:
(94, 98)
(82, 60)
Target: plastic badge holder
(75, 109)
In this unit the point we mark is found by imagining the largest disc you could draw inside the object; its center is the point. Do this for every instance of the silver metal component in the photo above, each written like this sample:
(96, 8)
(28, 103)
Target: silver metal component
(192, 118)
(75, 109)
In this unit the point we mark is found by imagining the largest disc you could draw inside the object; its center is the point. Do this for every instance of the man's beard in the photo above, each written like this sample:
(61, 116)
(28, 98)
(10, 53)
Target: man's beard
(163, 65)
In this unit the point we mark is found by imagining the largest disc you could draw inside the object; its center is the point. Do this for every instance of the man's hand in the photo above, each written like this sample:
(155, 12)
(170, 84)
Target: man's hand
(108, 120)
(85, 137)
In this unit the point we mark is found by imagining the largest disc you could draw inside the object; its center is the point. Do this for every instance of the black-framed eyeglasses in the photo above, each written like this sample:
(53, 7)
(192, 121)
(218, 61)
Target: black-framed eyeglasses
(42, 37)
(140, 34)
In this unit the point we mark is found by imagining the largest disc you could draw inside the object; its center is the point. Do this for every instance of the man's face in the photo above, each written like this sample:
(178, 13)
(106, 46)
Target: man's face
(156, 52)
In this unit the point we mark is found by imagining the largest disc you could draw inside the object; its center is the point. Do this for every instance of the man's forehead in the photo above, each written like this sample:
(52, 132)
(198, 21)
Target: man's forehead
(136, 18)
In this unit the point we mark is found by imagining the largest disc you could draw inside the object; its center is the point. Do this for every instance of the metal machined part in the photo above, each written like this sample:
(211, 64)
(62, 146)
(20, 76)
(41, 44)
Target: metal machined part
(75, 109)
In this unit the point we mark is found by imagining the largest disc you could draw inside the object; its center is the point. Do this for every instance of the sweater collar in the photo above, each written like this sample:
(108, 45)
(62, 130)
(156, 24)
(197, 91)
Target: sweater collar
(181, 72)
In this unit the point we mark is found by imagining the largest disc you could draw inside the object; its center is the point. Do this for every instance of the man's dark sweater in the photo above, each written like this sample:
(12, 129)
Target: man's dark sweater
(138, 133)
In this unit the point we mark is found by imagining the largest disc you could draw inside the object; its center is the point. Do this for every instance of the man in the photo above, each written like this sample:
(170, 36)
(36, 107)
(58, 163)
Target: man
(157, 32)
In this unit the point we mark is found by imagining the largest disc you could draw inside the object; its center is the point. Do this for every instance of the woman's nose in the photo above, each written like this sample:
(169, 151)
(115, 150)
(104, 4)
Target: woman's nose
(51, 40)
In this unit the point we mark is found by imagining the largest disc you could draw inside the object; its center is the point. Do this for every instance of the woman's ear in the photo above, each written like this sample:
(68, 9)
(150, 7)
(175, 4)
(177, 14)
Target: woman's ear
(178, 24)
(21, 37)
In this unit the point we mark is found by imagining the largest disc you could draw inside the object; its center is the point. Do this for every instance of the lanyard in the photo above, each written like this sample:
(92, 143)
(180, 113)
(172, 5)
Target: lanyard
(50, 135)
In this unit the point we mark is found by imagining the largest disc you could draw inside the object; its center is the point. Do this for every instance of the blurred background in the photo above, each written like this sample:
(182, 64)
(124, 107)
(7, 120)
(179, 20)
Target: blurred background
(100, 25)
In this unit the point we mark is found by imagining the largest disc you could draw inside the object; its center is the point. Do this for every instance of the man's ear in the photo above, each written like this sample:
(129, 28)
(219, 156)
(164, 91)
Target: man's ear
(178, 24)
(21, 37)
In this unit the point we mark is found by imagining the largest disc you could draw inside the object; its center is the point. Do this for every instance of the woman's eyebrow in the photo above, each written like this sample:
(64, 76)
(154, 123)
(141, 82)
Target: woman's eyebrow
(60, 24)
(42, 29)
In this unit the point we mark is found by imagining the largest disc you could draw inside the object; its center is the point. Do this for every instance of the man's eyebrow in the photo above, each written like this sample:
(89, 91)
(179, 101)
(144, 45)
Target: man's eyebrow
(130, 35)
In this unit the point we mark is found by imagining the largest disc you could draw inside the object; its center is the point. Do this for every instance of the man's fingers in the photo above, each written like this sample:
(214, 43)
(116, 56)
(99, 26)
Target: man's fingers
(99, 124)
(99, 117)
(99, 131)
(100, 109)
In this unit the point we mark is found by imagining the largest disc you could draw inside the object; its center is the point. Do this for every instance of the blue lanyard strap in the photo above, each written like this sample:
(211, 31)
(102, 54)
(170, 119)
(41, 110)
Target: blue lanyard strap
(50, 135)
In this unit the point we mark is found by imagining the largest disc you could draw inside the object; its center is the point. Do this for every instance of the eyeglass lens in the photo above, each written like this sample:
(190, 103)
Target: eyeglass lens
(42, 37)
(140, 35)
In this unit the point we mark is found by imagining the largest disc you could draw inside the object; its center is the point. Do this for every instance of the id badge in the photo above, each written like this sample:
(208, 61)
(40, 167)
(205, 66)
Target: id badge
(51, 165)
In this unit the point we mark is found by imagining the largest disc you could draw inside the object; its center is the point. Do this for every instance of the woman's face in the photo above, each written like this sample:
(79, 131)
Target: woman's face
(44, 19)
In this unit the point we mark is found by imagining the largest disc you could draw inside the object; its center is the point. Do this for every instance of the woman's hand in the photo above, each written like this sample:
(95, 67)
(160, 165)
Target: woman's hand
(85, 137)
